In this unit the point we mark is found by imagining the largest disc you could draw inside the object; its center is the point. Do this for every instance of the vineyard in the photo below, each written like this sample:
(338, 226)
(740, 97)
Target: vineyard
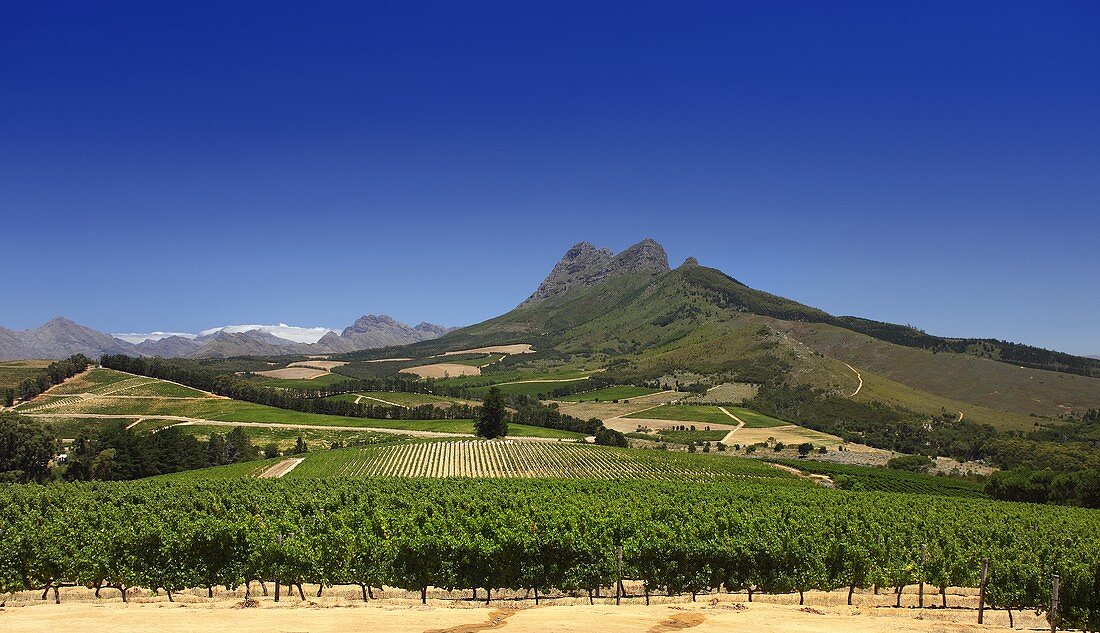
(507, 459)
(545, 535)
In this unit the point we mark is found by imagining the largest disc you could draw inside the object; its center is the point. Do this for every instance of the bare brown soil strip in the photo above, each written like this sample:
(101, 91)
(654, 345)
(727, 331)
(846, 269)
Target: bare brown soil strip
(497, 619)
(679, 622)
(522, 348)
(282, 468)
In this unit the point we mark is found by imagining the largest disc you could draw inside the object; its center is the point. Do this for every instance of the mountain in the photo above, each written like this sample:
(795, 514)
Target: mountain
(371, 331)
(61, 337)
(643, 320)
(584, 266)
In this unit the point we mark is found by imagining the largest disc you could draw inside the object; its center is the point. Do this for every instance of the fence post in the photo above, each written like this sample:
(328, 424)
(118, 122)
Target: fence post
(1055, 586)
(981, 591)
(618, 574)
(923, 553)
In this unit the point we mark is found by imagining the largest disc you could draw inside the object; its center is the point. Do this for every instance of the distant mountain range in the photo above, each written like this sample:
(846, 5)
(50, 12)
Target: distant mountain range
(61, 337)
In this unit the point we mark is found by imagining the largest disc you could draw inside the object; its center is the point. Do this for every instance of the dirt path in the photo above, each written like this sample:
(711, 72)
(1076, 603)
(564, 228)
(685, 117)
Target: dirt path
(728, 439)
(818, 479)
(282, 468)
(392, 404)
(854, 393)
(323, 616)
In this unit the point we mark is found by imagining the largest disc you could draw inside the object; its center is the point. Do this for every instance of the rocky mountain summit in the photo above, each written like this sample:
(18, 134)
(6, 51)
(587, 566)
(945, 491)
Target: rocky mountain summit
(584, 265)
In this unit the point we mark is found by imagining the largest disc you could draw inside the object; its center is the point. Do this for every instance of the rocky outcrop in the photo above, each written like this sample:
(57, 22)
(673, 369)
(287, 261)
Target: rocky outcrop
(585, 265)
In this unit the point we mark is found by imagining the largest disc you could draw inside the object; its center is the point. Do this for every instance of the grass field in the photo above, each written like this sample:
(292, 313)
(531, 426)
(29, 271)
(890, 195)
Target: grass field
(754, 420)
(480, 361)
(396, 397)
(476, 458)
(299, 383)
(691, 413)
(621, 392)
(687, 437)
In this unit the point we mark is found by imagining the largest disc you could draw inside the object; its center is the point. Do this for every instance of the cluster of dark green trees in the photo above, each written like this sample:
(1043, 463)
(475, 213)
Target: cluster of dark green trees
(1050, 465)
(873, 423)
(29, 448)
(53, 374)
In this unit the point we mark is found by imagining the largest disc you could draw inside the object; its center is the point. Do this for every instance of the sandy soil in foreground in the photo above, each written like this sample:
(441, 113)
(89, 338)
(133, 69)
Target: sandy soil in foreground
(464, 617)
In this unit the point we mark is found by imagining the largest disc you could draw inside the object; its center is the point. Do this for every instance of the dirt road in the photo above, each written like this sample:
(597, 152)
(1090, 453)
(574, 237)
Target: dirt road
(282, 468)
(860, 378)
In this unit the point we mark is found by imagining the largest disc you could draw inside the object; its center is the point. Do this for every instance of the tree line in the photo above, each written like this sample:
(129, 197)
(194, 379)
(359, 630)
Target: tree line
(551, 537)
(53, 374)
(30, 451)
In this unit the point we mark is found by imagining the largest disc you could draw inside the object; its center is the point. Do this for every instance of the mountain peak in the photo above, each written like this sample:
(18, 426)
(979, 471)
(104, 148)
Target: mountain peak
(689, 263)
(645, 255)
(585, 265)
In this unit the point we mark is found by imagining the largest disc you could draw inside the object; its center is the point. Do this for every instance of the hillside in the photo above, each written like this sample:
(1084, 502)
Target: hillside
(647, 321)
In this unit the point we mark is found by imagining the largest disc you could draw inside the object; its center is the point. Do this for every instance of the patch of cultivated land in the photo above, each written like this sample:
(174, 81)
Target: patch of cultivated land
(340, 609)
(512, 459)
(327, 365)
(689, 413)
(293, 373)
(522, 348)
(610, 410)
(443, 370)
(621, 392)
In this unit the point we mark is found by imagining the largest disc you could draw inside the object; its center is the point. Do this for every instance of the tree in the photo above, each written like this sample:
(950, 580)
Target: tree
(9, 397)
(492, 422)
(26, 449)
(300, 446)
(611, 437)
(804, 449)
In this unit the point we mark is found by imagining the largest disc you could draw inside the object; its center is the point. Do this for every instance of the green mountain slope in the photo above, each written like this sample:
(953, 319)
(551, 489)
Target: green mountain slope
(651, 322)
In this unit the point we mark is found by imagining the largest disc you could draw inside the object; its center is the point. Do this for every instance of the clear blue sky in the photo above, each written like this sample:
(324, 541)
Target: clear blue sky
(180, 165)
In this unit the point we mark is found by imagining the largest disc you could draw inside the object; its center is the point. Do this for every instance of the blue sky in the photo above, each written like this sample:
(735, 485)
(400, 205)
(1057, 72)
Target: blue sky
(176, 166)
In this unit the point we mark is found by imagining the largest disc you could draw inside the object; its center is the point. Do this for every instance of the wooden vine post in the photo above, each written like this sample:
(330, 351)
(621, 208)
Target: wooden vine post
(981, 591)
(1055, 586)
(619, 573)
(923, 553)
